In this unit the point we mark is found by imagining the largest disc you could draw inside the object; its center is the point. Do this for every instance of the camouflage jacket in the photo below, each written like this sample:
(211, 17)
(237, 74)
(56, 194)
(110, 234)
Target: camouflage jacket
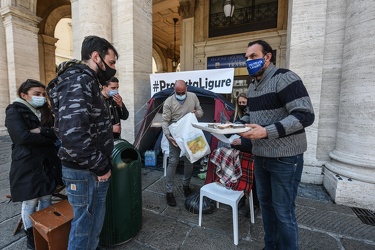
(81, 119)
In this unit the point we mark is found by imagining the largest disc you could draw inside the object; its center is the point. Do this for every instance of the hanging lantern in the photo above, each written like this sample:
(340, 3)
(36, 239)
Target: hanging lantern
(174, 60)
(228, 8)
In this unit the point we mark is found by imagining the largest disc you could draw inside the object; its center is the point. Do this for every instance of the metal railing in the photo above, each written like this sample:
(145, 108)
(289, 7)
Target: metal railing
(257, 17)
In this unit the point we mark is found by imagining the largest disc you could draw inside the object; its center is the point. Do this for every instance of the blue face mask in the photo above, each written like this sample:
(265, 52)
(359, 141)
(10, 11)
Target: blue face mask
(253, 66)
(181, 97)
(112, 92)
(37, 101)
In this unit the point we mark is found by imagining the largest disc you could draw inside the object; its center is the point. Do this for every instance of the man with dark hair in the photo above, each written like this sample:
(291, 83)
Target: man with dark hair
(116, 107)
(82, 124)
(279, 109)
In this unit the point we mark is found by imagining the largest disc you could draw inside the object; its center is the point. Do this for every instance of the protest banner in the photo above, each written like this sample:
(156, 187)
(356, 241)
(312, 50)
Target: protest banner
(216, 80)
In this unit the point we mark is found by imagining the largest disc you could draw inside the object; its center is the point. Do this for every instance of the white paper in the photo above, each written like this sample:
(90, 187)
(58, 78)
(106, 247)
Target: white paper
(223, 138)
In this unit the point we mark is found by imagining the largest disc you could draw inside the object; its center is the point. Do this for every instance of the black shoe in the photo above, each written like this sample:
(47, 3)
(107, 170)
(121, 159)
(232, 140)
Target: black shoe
(187, 191)
(171, 201)
(30, 238)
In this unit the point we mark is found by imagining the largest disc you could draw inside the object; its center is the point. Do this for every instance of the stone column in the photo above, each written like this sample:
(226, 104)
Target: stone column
(133, 28)
(350, 176)
(48, 52)
(77, 39)
(332, 69)
(21, 35)
(186, 11)
(90, 17)
(306, 33)
(4, 87)
(187, 42)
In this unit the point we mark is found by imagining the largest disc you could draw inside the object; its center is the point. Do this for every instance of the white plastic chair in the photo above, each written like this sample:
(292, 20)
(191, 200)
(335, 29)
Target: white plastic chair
(165, 161)
(165, 149)
(230, 197)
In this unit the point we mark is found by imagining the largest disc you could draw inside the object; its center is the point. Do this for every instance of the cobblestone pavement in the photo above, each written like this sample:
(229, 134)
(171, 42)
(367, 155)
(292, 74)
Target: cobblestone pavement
(322, 224)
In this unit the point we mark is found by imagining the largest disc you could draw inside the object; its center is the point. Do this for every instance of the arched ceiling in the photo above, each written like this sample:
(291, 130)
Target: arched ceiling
(51, 12)
(163, 12)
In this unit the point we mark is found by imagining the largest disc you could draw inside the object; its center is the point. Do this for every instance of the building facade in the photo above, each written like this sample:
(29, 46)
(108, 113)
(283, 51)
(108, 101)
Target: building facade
(329, 44)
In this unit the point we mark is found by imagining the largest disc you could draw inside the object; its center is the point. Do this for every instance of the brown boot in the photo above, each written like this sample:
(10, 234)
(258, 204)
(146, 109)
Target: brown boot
(30, 238)
(171, 201)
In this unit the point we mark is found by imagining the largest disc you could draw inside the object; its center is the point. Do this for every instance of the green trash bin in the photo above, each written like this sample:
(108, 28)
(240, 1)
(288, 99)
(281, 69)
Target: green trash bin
(123, 218)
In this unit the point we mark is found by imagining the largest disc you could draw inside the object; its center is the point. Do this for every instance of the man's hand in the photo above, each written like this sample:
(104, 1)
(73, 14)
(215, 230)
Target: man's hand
(236, 141)
(105, 177)
(172, 140)
(256, 132)
(116, 128)
(194, 112)
(118, 99)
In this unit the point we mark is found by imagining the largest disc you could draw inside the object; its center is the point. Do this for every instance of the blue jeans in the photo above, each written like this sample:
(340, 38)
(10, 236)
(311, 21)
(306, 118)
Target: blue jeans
(88, 199)
(30, 206)
(277, 183)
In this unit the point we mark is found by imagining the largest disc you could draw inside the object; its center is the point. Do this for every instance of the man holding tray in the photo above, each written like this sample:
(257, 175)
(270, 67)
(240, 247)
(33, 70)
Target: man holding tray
(175, 107)
(279, 109)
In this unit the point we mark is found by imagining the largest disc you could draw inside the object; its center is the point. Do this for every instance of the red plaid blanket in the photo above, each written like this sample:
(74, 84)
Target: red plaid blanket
(245, 182)
(228, 165)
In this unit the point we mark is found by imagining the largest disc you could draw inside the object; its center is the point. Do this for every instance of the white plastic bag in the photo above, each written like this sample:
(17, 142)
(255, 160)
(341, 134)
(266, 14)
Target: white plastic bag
(192, 142)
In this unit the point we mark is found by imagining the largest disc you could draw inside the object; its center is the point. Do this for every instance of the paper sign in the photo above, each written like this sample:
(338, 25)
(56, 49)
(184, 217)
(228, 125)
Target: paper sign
(216, 80)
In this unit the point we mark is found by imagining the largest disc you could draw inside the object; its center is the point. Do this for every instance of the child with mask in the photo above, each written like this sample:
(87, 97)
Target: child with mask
(34, 164)
(116, 107)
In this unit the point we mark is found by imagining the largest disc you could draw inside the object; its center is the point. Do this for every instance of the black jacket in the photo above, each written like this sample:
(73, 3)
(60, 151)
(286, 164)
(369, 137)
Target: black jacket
(81, 119)
(34, 156)
(117, 113)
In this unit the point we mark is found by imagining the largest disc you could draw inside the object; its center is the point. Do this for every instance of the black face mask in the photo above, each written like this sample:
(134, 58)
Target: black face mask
(105, 75)
(242, 108)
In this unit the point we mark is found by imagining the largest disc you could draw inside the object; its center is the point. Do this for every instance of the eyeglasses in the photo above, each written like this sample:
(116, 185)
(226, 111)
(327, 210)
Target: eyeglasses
(180, 93)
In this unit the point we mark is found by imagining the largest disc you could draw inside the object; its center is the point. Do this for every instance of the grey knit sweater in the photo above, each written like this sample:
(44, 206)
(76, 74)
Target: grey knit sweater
(280, 103)
(173, 110)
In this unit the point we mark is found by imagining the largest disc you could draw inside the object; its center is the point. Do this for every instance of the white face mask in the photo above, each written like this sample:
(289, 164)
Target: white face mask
(181, 97)
(37, 101)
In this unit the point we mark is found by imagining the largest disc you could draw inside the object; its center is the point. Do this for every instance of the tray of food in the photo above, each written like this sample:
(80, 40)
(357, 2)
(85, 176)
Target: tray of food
(221, 128)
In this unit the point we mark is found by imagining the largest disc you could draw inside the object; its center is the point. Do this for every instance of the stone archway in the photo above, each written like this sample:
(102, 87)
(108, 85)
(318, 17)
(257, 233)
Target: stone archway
(47, 41)
(160, 61)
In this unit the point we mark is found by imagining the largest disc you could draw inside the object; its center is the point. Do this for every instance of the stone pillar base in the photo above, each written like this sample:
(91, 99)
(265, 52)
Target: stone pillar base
(349, 192)
(312, 175)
